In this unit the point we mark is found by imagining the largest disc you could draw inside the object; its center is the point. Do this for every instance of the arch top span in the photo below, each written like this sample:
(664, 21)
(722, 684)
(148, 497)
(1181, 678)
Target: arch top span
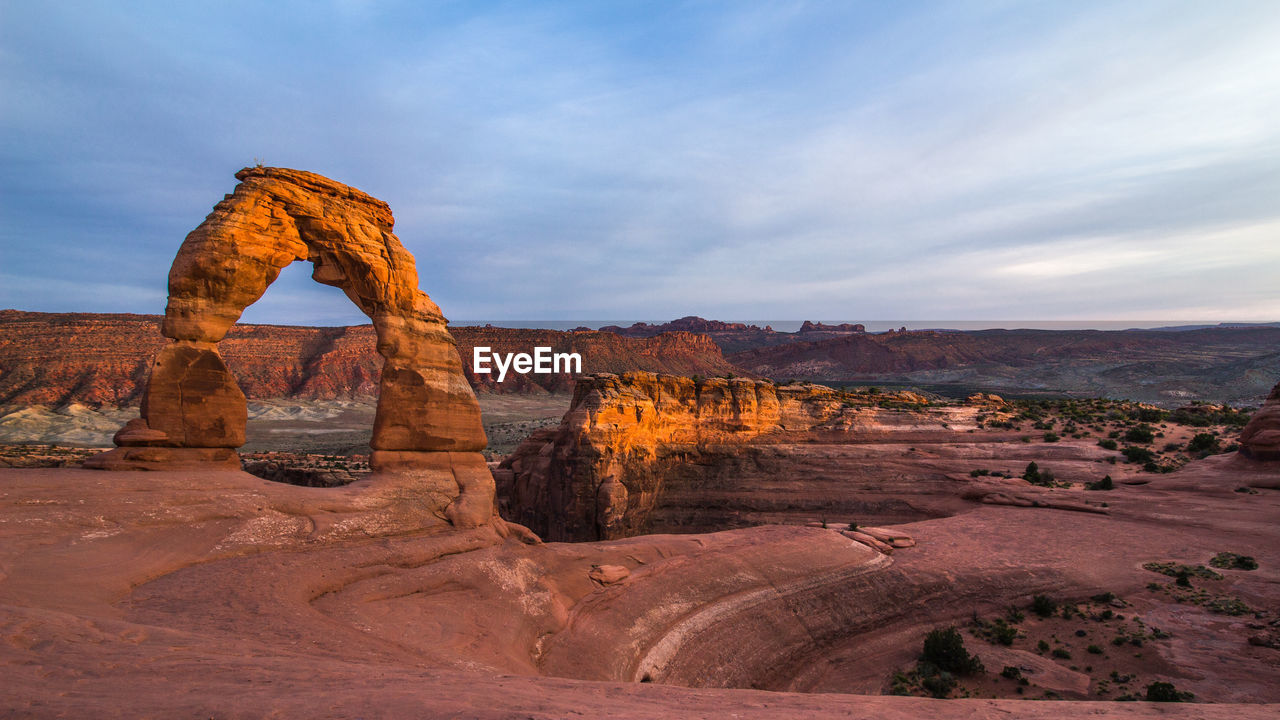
(193, 412)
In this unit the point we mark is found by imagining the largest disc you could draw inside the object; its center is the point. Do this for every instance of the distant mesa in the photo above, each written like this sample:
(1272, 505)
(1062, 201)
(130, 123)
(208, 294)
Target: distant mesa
(690, 323)
(841, 328)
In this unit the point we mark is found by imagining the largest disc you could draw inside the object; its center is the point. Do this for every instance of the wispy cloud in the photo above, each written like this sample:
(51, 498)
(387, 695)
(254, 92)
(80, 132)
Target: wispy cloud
(586, 160)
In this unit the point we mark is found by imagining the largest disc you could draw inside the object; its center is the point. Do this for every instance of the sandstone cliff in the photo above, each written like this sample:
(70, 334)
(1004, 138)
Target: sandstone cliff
(58, 358)
(637, 446)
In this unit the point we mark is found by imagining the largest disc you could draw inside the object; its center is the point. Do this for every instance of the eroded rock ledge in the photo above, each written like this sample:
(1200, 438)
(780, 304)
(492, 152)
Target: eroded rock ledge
(602, 473)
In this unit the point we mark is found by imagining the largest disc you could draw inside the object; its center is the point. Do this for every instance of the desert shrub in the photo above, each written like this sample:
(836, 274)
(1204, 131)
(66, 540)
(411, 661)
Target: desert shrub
(1149, 415)
(944, 648)
(1172, 569)
(1166, 692)
(1043, 605)
(1011, 672)
(1004, 633)
(1042, 646)
(1232, 561)
(1141, 434)
(940, 685)
(1203, 443)
(1228, 605)
(1032, 473)
(1062, 653)
(1107, 444)
(1094, 650)
(1138, 455)
(1106, 483)
(1051, 437)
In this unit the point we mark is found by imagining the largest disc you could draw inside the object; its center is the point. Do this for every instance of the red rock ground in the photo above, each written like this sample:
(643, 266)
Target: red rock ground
(223, 595)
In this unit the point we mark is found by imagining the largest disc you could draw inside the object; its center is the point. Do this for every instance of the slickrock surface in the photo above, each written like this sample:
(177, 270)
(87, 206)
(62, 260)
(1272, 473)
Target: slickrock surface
(1260, 439)
(220, 594)
(53, 359)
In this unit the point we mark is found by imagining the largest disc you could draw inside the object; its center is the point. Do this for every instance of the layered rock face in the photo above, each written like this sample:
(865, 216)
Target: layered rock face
(57, 358)
(644, 452)
(1260, 439)
(193, 412)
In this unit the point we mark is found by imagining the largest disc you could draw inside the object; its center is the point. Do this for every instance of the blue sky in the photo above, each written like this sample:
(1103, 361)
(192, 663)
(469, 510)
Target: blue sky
(842, 160)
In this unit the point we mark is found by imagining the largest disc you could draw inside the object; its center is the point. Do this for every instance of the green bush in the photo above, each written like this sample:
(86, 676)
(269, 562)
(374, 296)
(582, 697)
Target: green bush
(1151, 415)
(1062, 653)
(1043, 605)
(1107, 444)
(940, 685)
(1166, 692)
(1138, 455)
(1142, 434)
(1206, 443)
(944, 647)
(1106, 483)
(1232, 561)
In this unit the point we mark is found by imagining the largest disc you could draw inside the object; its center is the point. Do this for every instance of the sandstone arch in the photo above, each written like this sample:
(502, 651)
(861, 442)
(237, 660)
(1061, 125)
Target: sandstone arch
(193, 412)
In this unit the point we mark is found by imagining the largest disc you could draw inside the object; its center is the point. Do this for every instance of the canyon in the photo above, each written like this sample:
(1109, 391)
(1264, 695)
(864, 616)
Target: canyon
(740, 547)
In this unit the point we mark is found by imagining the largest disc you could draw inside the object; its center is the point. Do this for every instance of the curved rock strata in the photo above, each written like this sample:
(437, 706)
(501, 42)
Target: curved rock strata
(193, 413)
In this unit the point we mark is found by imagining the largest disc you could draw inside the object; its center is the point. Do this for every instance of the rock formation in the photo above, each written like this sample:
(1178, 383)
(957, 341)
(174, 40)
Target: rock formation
(53, 359)
(639, 448)
(1260, 439)
(427, 425)
(812, 327)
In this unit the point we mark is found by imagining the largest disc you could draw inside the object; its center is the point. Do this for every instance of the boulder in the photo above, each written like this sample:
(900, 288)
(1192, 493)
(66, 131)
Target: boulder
(1260, 439)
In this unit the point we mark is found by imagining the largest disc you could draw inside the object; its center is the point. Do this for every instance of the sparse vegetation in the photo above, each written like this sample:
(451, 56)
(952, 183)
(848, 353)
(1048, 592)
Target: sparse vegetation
(1232, 561)
(1165, 692)
(1106, 483)
(944, 648)
(1043, 605)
